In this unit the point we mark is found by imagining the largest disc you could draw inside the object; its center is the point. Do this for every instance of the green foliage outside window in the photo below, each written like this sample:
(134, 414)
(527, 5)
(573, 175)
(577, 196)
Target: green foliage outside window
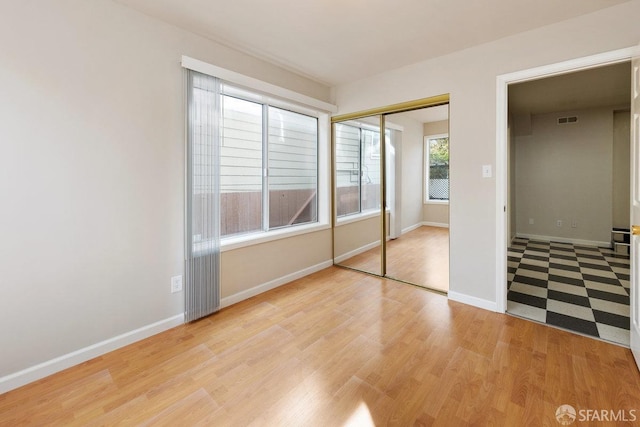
(439, 158)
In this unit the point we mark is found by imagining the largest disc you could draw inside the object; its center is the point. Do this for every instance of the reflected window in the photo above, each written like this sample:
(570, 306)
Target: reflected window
(357, 169)
(436, 149)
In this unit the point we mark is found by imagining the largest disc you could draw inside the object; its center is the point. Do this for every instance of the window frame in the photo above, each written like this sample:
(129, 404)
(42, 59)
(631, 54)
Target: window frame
(426, 162)
(255, 90)
(265, 178)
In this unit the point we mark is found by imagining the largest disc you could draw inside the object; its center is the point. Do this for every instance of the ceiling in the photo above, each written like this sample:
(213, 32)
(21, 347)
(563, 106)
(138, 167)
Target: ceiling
(596, 87)
(339, 41)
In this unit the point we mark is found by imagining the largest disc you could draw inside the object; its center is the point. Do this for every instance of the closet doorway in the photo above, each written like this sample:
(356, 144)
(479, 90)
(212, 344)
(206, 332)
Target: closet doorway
(385, 221)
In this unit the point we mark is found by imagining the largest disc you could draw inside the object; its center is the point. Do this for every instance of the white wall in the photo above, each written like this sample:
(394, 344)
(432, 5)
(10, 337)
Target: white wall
(469, 76)
(92, 176)
(564, 173)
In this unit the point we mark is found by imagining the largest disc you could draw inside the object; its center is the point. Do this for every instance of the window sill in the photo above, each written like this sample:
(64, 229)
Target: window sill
(357, 217)
(245, 240)
(436, 202)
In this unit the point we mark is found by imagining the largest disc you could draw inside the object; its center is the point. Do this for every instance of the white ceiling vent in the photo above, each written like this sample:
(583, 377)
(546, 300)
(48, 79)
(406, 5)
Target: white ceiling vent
(565, 120)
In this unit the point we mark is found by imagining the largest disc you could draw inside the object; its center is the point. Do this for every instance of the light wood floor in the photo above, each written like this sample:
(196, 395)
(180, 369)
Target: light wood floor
(334, 347)
(420, 256)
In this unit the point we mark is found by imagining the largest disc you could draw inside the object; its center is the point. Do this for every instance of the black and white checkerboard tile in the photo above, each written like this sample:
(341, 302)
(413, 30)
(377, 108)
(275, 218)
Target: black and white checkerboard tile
(581, 288)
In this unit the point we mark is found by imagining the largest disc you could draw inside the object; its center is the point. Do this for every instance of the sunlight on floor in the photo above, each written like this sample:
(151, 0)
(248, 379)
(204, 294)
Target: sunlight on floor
(361, 417)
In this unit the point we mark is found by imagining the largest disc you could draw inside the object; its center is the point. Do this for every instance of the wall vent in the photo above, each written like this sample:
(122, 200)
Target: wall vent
(565, 120)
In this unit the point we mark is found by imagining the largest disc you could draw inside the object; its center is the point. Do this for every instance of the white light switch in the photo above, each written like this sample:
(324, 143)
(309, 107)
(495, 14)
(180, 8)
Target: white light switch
(486, 171)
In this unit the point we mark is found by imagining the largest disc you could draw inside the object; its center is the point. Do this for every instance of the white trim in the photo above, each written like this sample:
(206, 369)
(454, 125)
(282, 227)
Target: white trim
(564, 240)
(324, 170)
(435, 202)
(474, 301)
(253, 83)
(272, 284)
(425, 224)
(357, 251)
(34, 373)
(435, 224)
(372, 124)
(411, 228)
(250, 239)
(570, 66)
(502, 81)
(348, 219)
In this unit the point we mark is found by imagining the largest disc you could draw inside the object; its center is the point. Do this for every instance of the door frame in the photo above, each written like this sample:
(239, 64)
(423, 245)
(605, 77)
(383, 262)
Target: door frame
(502, 110)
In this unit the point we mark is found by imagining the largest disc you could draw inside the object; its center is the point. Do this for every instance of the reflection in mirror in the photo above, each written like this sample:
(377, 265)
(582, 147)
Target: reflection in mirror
(416, 243)
(418, 185)
(357, 230)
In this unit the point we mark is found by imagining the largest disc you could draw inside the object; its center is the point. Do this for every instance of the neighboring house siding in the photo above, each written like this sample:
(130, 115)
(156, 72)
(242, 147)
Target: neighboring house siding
(292, 167)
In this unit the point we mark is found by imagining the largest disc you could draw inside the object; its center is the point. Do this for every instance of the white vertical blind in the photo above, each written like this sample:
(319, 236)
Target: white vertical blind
(202, 266)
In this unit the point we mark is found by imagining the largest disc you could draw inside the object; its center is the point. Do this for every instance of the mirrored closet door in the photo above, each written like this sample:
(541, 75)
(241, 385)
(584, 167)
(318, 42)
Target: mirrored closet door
(381, 171)
(357, 190)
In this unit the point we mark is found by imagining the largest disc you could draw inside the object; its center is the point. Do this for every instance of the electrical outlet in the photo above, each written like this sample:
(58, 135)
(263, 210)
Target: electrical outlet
(559, 223)
(574, 224)
(176, 284)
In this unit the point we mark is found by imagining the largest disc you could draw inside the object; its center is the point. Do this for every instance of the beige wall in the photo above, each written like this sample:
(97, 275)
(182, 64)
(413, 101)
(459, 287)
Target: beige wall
(410, 170)
(436, 214)
(511, 176)
(355, 235)
(92, 176)
(621, 168)
(252, 266)
(469, 76)
(435, 128)
(564, 172)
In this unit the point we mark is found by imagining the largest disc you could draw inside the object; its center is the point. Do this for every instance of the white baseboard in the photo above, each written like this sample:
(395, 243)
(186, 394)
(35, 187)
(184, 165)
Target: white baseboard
(357, 251)
(564, 240)
(425, 223)
(411, 228)
(34, 373)
(435, 224)
(474, 301)
(241, 296)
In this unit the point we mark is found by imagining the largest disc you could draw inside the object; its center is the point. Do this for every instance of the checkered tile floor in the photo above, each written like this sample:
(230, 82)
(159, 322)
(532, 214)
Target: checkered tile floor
(581, 288)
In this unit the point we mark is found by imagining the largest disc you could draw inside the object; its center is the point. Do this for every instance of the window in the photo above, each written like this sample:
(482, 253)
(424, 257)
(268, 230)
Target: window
(241, 167)
(436, 149)
(293, 168)
(268, 163)
(357, 169)
(269, 167)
